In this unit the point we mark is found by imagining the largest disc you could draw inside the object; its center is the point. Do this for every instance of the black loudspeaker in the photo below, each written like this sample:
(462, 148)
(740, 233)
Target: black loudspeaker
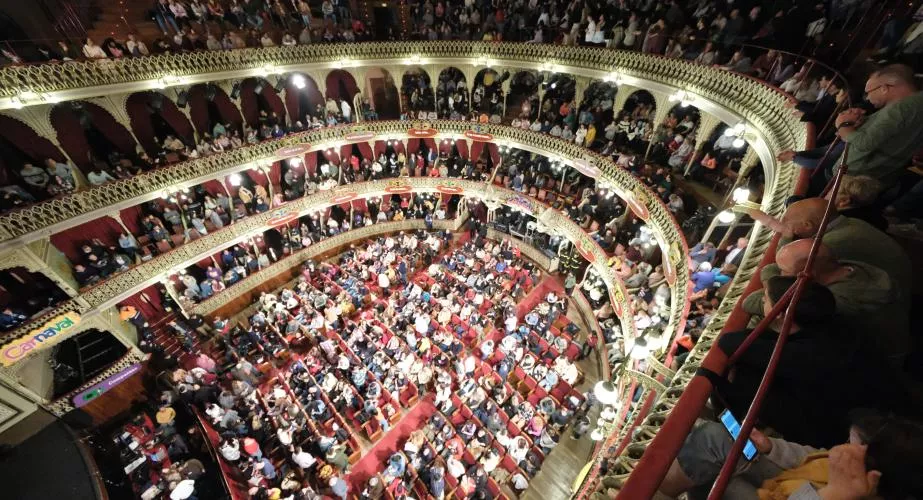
(156, 102)
(260, 85)
(235, 90)
(504, 77)
(280, 84)
(210, 92)
(182, 98)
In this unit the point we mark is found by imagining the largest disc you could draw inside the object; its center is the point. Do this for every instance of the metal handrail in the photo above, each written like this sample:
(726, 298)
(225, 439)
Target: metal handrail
(666, 444)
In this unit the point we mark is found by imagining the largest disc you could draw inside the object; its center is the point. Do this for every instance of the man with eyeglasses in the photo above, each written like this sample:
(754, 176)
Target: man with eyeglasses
(882, 144)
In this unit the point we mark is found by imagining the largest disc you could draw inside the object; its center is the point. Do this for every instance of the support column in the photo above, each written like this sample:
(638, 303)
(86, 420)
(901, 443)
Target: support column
(38, 118)
(621, 97)
(580, 87)
(116, 105)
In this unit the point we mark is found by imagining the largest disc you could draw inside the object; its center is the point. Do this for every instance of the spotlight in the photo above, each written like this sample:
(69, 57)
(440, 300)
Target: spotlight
(741, 195)
(235, 179)
(739, 142)
(299, 81)
(726, 217)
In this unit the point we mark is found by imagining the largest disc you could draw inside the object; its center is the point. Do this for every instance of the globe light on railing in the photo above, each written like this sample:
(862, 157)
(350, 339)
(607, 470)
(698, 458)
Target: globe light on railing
(741, 195)
(640, 350)
(235, 180)
(606, 392)
(299, 81)
(726, 217)
(739, 142)
(597, 434)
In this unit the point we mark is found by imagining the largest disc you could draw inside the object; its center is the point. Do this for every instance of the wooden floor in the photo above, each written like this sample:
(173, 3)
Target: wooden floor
(561, 467)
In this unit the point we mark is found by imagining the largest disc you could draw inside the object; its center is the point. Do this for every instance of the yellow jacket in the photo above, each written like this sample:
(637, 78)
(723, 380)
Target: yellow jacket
(813, 469)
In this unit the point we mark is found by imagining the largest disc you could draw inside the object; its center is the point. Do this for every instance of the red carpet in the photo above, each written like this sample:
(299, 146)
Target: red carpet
(533, 298)
(373, 460)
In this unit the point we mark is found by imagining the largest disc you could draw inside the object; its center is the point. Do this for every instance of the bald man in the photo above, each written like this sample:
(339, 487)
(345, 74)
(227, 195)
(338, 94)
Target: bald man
(881, 145)
(868, 304)
(848, 238)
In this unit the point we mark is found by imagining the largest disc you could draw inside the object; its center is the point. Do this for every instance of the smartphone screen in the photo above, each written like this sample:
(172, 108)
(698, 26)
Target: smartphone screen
(733, 428)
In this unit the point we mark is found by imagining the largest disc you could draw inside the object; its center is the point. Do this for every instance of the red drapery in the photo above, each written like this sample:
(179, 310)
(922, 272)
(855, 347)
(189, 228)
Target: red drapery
(366, 151)
(73, 139)
(198, 108)
(413, 145)
(494, 153)
(339, 80)
(69, 241)
(346, 151)
(213, 187)
(257, 176)
(293, 103)
(476, 148)
(332, 156)
(148, 302)
(310, 160)
(139, 110)
(249, 105)
(131, 217)
(462, 146)
(380, 147)
(275, 174)
(31, 144)
(445, 147)
(430, 143)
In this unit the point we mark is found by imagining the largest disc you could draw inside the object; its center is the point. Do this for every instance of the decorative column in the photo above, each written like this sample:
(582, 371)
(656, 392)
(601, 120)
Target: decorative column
(42, 257)
(621, 97)
(38, 118)
(117, 106)
(707, 125)
(581, 84)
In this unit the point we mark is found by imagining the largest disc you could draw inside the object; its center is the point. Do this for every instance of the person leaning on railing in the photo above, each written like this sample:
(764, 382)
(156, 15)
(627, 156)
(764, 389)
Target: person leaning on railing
(880, 460)
(882, 144)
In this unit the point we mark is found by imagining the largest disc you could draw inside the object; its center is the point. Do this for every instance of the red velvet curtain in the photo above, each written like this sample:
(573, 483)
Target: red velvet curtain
(332, 156)
(198, 108)
(148, 302)
(335, 78)
(476, 148)
(346, 151)
(445, 147)
(213, 187)
(275, 173)
(250, 106)
(430, 143)
(366, 151)
(310, 160)
(494, 153)
(26, 140)
(380, 147)
(131, 217)
(138, 108)
(69, 241)
(73, 139)
(413, 145)
(462, 146)
(293, 103)
(257, 176)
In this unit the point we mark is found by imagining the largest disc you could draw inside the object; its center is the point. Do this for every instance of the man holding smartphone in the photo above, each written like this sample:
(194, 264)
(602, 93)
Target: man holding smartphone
(879, 461)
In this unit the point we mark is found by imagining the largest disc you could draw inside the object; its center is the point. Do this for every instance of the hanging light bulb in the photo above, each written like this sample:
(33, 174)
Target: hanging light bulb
(597, 434)
(726, 217)
(729, 132)
(641, 350)
(299, 81)
(605, 392)
(235, 179)
(741, 195)
(739, 143)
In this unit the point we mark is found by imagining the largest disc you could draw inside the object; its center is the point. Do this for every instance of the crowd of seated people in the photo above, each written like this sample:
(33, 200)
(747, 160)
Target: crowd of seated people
(452, 96)
(360, 339)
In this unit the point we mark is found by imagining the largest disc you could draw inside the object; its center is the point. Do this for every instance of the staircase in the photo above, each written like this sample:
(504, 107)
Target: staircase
(119, 18)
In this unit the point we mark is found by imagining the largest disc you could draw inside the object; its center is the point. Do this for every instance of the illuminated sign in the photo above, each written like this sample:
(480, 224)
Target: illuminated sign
(520, 202)
(397, 187)
(48, 335)
(281, 217)
(478, 136)
(586, 168)
(344, 197)
(422, 133)
(93, 392)
(450, 187)
(295, 150)
(360, 136)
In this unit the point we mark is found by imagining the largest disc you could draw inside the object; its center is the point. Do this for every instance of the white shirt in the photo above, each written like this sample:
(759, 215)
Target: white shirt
(732, 254)
(383, 281)
(304, 459)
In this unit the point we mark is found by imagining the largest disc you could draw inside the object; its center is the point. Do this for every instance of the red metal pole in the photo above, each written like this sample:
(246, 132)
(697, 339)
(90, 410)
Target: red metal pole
(749, 421)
